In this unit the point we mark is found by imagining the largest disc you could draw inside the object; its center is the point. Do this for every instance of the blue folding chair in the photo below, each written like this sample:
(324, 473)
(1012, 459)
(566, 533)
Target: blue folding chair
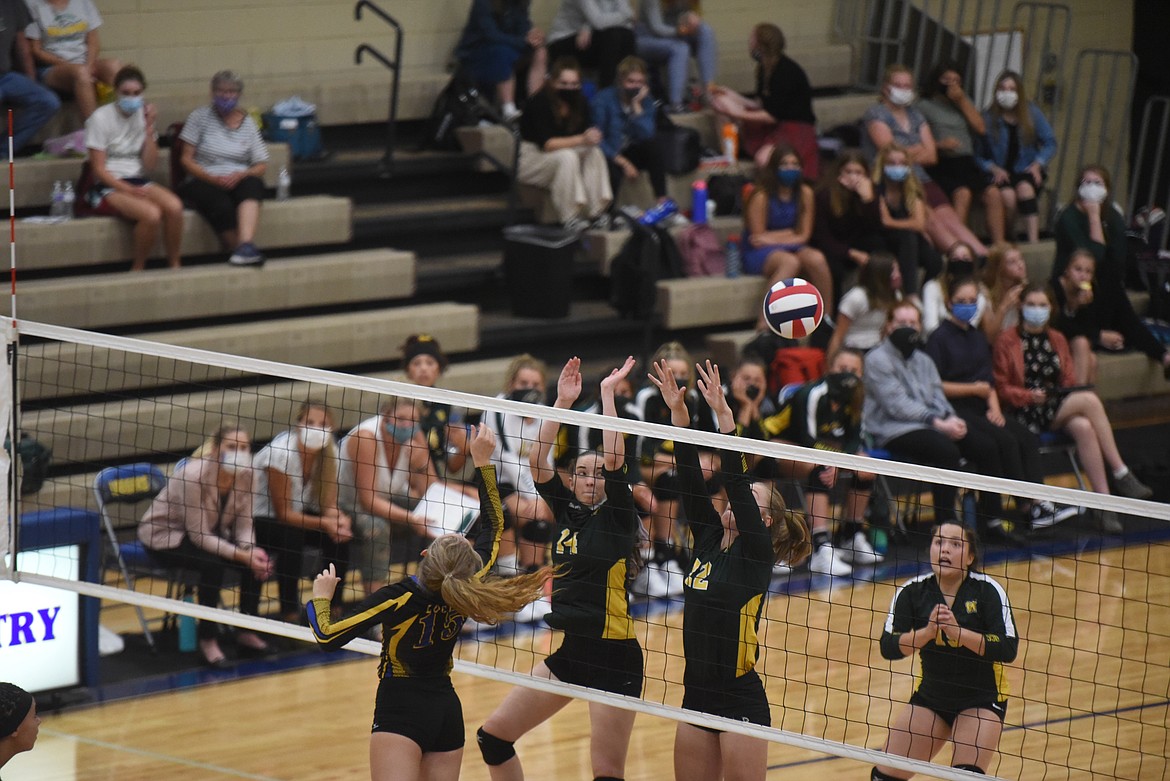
(1059, 443)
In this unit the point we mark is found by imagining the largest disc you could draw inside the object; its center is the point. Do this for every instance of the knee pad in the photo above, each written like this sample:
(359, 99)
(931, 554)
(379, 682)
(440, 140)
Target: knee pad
(539, 532)
(1026, 207)
(607, 778)
(971, 769)
(877, 775)
(495, 751)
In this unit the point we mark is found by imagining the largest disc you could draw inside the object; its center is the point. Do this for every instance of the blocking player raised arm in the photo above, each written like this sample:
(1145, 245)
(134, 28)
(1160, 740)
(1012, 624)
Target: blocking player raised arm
(612, 442)
(568, 391)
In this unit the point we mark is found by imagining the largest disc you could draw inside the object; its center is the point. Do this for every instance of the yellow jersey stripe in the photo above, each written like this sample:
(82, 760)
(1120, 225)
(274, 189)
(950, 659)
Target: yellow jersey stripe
(618, 624)
(749, 643)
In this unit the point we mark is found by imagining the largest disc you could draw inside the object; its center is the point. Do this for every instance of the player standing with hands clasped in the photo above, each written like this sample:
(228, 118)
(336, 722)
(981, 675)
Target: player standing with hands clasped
(418, 719)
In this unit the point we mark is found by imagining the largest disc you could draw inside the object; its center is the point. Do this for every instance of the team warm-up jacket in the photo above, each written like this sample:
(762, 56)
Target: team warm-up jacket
(419, 629)
(952, 675)
(725, 587)
(590, 549)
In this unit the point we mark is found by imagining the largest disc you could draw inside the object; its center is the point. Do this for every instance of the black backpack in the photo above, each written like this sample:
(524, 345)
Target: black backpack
(458, 105)
(649, 255)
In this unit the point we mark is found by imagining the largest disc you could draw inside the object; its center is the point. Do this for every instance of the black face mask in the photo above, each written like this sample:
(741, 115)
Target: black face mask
(631, 92)
(753, 392)
(842, 385)
(570, 96)
(905, 340)
(526, 395)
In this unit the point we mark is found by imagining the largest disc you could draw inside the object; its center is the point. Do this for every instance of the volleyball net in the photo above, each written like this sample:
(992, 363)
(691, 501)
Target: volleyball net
(1089, 687)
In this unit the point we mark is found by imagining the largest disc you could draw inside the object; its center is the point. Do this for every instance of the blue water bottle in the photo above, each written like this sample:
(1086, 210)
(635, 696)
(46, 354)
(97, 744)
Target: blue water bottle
(659, 213)
(187, 634)
(699, 202)
(733, 257)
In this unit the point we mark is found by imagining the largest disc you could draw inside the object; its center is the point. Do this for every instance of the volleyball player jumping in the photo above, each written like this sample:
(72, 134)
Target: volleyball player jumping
(418, 719)
(596, 534)
(734, 551)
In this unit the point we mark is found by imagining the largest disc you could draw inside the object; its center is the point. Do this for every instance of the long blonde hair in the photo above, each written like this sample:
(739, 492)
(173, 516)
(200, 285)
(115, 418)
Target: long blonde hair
(216, 439)
(450, 569)
(993, 271)
(791, 541)
(324, 472)
(1024, 124)
(912, 191)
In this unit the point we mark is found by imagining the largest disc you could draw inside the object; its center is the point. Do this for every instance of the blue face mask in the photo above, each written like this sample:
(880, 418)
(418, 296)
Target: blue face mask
(129, 104)
(401, 434)
(897, 173)
(1035, 316)
(788, 177)
(964, 313)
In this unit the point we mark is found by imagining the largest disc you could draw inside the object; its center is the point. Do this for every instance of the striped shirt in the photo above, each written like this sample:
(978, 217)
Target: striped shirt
(219, 149)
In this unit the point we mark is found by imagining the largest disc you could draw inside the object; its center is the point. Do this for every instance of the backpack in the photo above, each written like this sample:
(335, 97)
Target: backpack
(726, 190)
(649, 255)
(791, 365)
(702, 254)
(458, 105)
(681, 147)
(34, 463)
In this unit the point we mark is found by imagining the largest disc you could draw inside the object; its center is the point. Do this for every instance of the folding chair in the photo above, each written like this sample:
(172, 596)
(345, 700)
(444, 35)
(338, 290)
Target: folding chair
(130, 485)
(1058, 443)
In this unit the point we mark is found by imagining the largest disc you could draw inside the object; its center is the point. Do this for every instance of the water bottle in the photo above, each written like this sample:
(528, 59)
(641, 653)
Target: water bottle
(730, 138)
(57, 199)
(733, 257)
(68, 201)
(699, 202)
(659, 212)
(187, 634)
(283, 185)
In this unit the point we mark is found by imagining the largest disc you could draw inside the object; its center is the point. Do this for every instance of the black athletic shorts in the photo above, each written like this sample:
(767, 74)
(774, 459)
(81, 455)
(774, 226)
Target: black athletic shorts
(949, 713)
(742, 699)
(426, 710)
(610, 665)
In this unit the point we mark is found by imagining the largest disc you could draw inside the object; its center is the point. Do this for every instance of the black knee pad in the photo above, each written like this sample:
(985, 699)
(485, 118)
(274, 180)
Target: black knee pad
(877, 775)
(495, 751)
(606, 778)
(1027, 207)
(971, 769)
(537, 531)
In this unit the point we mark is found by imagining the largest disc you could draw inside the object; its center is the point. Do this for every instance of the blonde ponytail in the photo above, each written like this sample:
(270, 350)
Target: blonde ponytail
(453, 570)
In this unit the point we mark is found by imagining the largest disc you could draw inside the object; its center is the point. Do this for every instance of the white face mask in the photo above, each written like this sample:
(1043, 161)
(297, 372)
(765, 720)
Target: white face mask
(235, 461)
(1007, 98)
(1093, 192)
(313, 437)
(900, 96)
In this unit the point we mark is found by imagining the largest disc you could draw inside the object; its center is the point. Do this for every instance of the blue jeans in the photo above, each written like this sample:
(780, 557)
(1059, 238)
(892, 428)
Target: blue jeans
(675, 53)
(35, 106)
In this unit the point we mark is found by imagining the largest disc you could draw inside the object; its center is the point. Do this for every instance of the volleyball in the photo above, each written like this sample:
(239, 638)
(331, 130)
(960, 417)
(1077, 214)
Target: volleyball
(793, 308)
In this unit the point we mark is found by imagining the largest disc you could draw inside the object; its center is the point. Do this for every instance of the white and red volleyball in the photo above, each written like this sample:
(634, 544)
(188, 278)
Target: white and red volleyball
(793, 308)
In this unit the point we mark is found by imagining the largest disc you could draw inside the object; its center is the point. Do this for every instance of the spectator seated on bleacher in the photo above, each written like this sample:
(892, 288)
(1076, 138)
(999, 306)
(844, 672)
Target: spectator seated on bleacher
(781, 112)
(904, 210)
(561, 149)
(123, 146)
(224, 158)
(597, 33)
(958, 264)
(66, 50)
(498, 42)
(668, 33)
(861, 317)
(1004, 279)
(442, 426)
(847, 225)
(1018, 146)
(34, 104)
(626, 115)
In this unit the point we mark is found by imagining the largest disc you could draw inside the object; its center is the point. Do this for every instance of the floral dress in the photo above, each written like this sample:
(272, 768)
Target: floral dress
(1041, 370)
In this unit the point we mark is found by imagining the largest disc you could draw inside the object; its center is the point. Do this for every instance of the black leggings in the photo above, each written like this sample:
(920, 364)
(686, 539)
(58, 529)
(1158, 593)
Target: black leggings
(287, 544)
(217, 205)
(211, 569)
(606, 49)
(646, 156)
(913, 252)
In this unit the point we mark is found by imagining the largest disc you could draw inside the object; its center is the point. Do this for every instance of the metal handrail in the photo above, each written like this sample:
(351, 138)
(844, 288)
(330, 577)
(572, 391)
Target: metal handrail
(393, 65)
(1150, 146)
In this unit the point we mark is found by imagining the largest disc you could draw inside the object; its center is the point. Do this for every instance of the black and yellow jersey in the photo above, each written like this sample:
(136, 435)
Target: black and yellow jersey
(419, 630)
(590, 547)
(950, 674)
(724, 588)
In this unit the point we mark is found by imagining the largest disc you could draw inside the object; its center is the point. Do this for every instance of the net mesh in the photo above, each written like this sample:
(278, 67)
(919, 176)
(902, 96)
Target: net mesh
(1089, 687)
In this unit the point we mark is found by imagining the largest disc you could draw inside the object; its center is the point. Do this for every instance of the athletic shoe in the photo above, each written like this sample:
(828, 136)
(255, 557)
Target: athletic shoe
(781, 568)
(533, 611)
(575, 226)
(826, 561)
(1131, 487)
(858, 551)
(512, 114)
(1045, 514)
(1109, 522)
(247, 255)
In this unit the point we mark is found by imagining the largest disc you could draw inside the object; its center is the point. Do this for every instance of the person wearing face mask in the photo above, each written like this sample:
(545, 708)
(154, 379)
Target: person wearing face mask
(826, 415)
(597, 33)
(781, 110)
(122, 143)
(1018, 147)
(560, 149)
(958, 263)
(962, 355)
(1094, 222)
(296, 503)
(202, 521)
(1035, 381)
(626, 114)
(895, 119)
(847, 223)
(905, 216)
(224, 159)
(777, 225)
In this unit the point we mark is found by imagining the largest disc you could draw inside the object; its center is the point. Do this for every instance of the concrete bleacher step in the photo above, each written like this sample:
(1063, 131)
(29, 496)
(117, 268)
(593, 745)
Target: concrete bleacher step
(303, 221)
(162, 296)
(35, 176)
(701, 302)
(725, 347)
(52, 370)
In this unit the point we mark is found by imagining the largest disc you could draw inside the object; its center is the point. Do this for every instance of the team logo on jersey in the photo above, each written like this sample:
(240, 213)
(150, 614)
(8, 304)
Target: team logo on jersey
(972, 606)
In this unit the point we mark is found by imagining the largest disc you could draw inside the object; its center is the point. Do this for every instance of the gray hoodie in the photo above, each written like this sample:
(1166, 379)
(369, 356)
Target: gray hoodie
(597, 14)
(901, 395)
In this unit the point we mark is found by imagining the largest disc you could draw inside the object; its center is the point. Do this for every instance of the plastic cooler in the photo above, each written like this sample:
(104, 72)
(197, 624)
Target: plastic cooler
(538, 267)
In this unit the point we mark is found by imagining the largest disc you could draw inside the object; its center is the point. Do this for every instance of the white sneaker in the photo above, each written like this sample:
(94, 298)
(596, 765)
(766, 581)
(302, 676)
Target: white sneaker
(533, 611)
(781, 568)
(826, 561)
(858, 551)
